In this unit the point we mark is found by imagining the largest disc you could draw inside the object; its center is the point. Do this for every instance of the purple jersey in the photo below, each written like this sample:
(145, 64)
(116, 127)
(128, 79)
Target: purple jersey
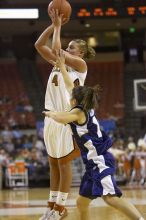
(99, 163)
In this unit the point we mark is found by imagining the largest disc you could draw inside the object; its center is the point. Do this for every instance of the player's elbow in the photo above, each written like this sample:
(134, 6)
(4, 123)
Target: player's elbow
(40, 49)
(37, 45)
(54, 51)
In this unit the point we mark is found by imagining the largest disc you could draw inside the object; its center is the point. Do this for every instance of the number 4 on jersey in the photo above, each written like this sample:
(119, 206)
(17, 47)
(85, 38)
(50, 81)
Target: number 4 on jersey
(55, 80)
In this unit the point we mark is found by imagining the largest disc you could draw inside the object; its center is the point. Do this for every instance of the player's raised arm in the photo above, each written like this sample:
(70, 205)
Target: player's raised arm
(57, 21)
(41, 44)
(46, 51)
(66, 77)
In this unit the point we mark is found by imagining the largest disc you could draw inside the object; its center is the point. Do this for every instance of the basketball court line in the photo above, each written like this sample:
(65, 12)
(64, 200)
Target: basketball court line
(36, 207)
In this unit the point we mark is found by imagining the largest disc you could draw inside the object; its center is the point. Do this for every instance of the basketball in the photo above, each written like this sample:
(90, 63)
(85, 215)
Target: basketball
(63, 7)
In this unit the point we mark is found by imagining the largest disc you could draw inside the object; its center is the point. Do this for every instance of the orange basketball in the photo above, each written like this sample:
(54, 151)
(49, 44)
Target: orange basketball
(63, 7)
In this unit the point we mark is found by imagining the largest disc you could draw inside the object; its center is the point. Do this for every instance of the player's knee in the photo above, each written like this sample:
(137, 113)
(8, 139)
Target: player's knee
(109, 200)
(65, 166)
(81, 205)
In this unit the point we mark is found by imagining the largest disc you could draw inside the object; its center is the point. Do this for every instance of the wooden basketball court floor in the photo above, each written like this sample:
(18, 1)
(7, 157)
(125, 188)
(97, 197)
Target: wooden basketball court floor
(29, 204)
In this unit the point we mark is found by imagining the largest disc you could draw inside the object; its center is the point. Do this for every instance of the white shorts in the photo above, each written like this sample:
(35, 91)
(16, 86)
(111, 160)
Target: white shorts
(58, 138)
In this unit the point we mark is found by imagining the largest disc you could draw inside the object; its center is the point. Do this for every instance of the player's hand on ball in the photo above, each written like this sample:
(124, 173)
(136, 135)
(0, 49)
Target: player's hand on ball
(55, 17)
(61, 8)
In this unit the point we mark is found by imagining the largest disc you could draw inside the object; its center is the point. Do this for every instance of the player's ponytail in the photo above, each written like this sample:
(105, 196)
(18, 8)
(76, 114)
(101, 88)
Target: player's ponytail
(88, 97)
(90, 53)
(91, 98)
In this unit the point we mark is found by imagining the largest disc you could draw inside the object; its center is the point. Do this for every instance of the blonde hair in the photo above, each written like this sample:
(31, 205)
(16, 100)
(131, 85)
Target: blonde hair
(88, 52)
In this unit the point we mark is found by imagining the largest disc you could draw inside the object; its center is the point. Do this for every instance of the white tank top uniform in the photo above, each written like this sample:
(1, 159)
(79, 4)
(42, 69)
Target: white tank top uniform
(58, 137)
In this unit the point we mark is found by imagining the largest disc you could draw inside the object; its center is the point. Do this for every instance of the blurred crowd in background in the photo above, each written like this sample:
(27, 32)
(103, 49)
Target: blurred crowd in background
(17, 145)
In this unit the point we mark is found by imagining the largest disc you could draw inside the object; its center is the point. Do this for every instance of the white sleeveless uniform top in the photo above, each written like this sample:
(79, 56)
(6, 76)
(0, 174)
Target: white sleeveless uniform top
(57, 97)
(58, 137)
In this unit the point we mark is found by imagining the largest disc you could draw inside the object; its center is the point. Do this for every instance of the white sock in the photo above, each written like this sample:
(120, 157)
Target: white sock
(141, 218)
(53, 196)
(61, 198)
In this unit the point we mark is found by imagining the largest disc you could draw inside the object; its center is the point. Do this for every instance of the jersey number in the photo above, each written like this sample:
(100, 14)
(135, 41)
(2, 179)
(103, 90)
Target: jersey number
(55, 80)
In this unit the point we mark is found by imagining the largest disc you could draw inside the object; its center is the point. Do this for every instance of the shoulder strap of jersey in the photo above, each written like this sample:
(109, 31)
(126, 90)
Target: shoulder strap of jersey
(78, 106)
(86, 114)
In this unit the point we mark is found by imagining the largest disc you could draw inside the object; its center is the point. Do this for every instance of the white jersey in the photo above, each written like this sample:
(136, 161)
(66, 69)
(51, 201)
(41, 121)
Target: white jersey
(57, 97)
(58, 137)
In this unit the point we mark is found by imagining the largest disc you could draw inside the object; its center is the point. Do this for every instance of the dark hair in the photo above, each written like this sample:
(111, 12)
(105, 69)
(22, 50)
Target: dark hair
(88, 51)
(86, 96)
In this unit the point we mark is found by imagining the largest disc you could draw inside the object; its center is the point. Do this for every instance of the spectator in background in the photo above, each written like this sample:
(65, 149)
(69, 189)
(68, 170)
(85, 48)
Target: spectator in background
(1, 142)
(5, 100)
(3, 119)
(4, 158)
(41, 133)
(20, 107)
(11, 121)
(17, 133)
(142, 142)
(23, 154)
(28, 108)
(38, 143)
(23, 121)
(36, 164)
(18, 144)
(9, 146)
(118, 154)
(144, 138)
(141, 154)
(27, 143)
(6, 134)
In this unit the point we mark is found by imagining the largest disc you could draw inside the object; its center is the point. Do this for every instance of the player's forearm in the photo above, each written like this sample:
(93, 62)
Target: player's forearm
(67, 79)
(42, 40)
(60, 117)
(56, 42)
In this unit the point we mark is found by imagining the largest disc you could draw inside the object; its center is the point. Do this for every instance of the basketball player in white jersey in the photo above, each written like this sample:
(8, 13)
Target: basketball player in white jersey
(58, 137)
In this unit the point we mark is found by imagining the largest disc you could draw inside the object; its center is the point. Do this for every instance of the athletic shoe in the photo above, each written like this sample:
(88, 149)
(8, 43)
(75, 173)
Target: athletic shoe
(56, 215)
(47, 214)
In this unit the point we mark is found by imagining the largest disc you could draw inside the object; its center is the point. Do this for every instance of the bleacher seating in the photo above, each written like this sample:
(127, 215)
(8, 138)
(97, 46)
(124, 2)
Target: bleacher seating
(44, 70)
(12, 92)
(110, 76)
